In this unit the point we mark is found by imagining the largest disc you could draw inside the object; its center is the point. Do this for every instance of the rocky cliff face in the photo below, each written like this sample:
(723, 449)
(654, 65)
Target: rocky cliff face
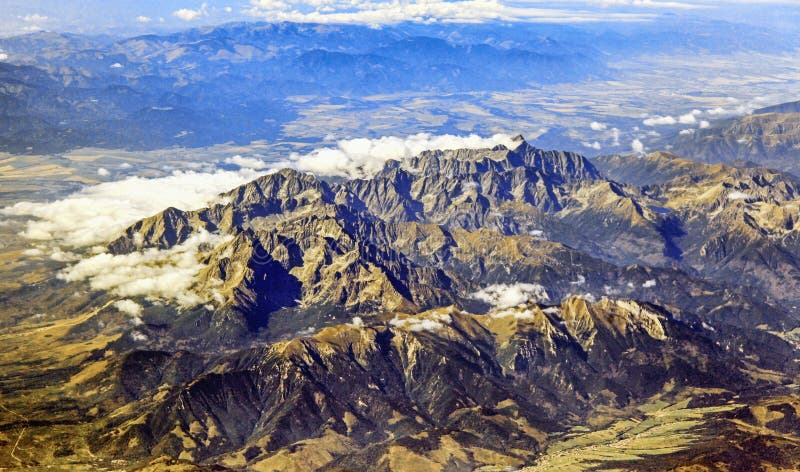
(436, 228)
(443, 387)
(459, 309)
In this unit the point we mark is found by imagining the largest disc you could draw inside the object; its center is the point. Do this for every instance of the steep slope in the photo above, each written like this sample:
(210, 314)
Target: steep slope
(438, 228)
(456, 310)
(440, 387)
(770, 136)
(653, 168)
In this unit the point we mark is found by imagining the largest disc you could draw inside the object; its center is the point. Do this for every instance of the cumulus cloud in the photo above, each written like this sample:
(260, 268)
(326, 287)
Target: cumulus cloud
(597, 126)
(131, 308)
(704, 124)
(423, 322)
(116, 65)
(637, 146)
(99, 213)
(60, 255)
(359, 157)
(595, 145)
(166, 274)
(509, 295)
(128, 307)
(721, 112)
(187, 14)
(3, 56)
(143, 19)
(246, 162)
(660, 121)
(689, 118)
(516, 313)
(686, 131)
(103, 172)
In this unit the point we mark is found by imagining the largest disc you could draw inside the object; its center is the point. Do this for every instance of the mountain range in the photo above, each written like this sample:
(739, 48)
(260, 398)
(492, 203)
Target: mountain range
(473, 308)
(230, 83)
(769, 136)
(243, 82)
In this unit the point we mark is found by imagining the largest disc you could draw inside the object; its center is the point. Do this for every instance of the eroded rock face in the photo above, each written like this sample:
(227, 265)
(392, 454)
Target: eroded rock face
(456, 310)
(433, 229)
(500, 381)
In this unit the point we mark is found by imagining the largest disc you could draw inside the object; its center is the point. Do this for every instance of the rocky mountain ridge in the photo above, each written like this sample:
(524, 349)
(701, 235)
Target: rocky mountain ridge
(458, 309)
(769, 136)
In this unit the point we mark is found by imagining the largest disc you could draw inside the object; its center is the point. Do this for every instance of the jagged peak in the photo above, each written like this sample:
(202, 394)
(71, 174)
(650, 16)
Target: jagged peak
(283, 184)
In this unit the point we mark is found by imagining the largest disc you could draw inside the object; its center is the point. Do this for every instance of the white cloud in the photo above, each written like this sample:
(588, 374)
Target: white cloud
(143, 19)
(660, 121)
(187, 14)
(103, 172)
(704, 124)
(509, 295)
(130, 307)
(246, 162)
(359, 157)
(357, 322)
(689, 118)
(738, 195)
(517, 313)
(228, 9)
(116, 65)
(139, 337)
(33, 252)
(637, 146)
(595, 145)
(649, 283)
(423, 321)
(99, 213)
(615, 136)
(3, 56)
(686, 131)
(597, 126)
(167, 274)
(589, 297)
(426, 11)
(60, 255)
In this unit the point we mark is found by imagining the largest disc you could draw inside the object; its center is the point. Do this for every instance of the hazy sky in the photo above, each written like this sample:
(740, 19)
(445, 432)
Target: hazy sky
(142, 16)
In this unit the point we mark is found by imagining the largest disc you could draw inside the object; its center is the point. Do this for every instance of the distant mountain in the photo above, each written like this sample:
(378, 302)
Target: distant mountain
(229, 83)
(770, 136)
